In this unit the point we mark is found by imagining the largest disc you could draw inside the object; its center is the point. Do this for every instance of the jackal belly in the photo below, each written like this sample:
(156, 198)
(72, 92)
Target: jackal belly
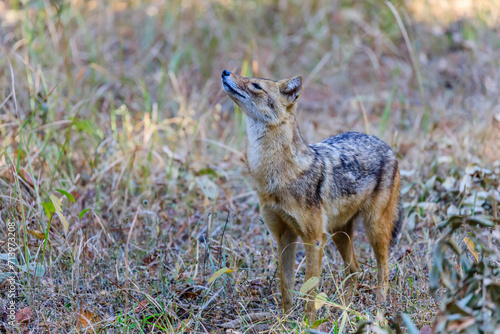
(341, 210)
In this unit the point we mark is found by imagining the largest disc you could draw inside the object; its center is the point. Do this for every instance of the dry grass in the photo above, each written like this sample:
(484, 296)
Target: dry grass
(119, 103)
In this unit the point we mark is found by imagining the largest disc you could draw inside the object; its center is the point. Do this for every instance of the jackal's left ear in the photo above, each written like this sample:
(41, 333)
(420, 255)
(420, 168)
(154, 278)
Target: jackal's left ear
(291, 88)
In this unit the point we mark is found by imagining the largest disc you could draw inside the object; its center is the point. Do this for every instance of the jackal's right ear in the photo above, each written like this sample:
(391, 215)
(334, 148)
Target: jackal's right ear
(291, 88)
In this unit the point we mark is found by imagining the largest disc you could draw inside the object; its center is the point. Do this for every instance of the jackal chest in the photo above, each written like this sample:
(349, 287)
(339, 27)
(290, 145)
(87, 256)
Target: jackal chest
(277, 214)
(291, 212)
(270, 178)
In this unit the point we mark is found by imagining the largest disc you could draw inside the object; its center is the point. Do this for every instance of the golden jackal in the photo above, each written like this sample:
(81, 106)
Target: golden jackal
(314, 190)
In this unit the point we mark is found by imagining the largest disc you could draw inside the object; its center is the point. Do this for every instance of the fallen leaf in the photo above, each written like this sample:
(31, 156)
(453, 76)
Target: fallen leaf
(39, 235)
(87, 319)
(189, 292)
(208, 187)
(471, 247)
(24, 315)
(141, 306)
(425, 330)
(27, 177)
(461, 324)
(320, 300)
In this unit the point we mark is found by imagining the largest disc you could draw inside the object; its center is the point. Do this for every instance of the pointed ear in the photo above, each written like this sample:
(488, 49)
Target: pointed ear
(291, 88)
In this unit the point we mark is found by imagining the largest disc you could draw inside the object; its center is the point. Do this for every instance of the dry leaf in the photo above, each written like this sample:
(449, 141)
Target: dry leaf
(208, 187)
(39, 235)
(471, 247)
(426, 330)
(27, 177)
(24, 315)
(320, 300)
(57, 206)
(190, 292)
(219, 273)
(461, 324)
(141, 306)
(87, 319)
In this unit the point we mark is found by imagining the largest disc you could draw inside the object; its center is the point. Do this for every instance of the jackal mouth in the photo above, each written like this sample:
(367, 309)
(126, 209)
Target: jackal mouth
(228, 88)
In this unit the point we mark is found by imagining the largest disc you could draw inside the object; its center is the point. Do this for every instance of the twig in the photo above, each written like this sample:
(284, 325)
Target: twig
(128, 240)
(252, 317)
(222, 238)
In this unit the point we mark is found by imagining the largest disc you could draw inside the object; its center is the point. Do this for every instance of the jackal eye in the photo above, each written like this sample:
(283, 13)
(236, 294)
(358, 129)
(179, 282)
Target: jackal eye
(256, 86)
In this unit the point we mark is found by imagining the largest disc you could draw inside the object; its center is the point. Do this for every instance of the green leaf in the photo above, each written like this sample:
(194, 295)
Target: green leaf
(309, 285)
(362, 325)
(494, 290)
(318, 322)
(4, 276)
(454, 247)
(37, 268)
(40, 270)
(481, 220)
(49, 208)
(345, 318)
(67, 194)
(412, 329)
(82, 213)
(453, 222)
(434, 278)
(208, 171)
(219, 273)
(6, 257)
(453, 308)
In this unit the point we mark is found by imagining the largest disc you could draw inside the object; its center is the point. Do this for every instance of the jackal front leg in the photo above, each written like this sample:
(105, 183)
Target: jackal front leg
(286, 239)
(286, 252)
(314, 256)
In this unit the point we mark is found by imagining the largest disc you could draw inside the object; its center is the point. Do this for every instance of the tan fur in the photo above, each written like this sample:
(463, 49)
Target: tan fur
(300, 197)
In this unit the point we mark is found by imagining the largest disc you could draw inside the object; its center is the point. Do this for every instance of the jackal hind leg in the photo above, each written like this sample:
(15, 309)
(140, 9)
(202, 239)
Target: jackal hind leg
(343, 239)
(378, 229)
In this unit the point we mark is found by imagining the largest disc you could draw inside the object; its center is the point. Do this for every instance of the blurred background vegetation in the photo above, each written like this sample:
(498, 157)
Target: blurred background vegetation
(118, 105)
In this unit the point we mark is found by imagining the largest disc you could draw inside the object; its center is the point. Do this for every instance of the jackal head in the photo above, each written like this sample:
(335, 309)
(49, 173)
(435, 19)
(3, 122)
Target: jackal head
(263, 100)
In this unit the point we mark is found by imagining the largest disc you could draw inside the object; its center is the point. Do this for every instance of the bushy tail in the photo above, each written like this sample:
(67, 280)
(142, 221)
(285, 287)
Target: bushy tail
(397, 224)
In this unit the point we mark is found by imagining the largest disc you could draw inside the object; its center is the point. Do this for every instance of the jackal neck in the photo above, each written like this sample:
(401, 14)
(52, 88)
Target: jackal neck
(276, 154)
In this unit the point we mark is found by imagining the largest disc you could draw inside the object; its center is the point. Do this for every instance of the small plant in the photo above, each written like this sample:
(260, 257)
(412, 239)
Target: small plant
(471, 303)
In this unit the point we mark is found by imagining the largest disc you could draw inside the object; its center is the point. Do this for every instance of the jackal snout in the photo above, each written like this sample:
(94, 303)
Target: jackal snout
(231, 85)
(263, 100)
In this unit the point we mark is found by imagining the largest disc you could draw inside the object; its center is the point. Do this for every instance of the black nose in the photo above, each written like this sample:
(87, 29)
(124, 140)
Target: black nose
(225, 73)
